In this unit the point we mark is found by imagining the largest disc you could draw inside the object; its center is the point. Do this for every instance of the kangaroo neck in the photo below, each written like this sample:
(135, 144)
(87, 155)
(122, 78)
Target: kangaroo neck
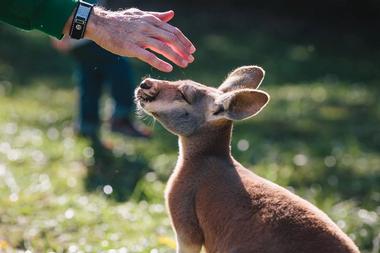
(211, 142)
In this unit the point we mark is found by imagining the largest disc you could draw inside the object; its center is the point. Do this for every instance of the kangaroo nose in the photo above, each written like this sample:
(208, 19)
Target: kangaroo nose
(146, 84)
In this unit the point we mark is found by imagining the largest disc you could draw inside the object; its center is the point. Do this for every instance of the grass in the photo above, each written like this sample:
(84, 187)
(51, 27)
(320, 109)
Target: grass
(319, 137)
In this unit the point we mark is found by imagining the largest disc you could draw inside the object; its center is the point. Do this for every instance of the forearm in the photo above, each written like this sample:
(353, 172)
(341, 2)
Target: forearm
(66, 28)
(48, 16)
(53, 16)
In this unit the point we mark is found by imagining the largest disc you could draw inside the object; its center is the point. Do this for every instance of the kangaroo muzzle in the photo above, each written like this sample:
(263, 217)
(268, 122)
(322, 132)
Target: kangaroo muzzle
(147, 91)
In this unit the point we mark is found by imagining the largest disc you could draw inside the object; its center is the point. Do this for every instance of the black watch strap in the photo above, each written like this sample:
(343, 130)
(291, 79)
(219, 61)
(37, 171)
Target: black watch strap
(81, 16)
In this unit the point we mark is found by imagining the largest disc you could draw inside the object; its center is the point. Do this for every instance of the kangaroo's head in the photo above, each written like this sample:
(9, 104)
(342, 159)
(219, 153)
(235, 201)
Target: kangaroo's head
(186, 107)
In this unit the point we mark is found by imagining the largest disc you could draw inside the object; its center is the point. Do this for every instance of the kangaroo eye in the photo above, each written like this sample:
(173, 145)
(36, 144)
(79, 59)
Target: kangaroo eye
(219, 110)
(184, 97)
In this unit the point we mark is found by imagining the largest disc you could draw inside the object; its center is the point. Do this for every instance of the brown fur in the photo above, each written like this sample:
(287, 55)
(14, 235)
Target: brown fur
(215, 202)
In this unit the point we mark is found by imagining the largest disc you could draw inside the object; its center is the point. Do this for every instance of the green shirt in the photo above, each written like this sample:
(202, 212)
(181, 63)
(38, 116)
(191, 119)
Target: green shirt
(48, 16)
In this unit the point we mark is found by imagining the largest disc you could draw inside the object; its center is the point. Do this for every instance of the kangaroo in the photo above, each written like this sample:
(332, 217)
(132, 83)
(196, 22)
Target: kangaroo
(215, 202)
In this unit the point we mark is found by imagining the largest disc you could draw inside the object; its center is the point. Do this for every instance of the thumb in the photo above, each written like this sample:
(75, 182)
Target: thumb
(163, 16)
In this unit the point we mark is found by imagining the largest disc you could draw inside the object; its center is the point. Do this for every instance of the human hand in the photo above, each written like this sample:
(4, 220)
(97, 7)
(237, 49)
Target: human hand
(131, 32)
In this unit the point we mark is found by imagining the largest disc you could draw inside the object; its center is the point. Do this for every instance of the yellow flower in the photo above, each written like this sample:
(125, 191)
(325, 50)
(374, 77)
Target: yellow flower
(167, 241)
(4, 245)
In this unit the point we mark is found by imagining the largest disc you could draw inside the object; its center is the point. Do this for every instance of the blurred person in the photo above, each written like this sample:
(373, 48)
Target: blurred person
(95, 67)
(128, 32)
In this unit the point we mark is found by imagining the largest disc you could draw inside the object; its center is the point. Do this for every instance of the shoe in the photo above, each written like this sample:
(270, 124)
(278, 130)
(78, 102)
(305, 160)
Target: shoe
(126, 127)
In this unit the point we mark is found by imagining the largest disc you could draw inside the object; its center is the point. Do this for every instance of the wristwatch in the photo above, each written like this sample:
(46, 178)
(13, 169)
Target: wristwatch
(81, 16)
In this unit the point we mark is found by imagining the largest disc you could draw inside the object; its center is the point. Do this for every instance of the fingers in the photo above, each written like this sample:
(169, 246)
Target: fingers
(179, 35)
(171, 40)
(152, 60)
(163, 16)
(173, 36)
(165, 50)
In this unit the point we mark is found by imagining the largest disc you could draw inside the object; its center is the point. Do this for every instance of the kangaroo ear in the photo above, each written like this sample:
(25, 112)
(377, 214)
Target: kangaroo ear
(240, 104)
(247, 77)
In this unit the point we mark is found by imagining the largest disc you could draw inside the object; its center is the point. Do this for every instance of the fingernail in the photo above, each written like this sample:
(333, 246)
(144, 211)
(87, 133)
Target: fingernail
(192, 49)
(168, 68)
(191, 59)
(184, 63)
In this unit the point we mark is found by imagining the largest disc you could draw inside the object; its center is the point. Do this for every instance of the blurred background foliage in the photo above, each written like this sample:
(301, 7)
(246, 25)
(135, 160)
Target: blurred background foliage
(319, 136)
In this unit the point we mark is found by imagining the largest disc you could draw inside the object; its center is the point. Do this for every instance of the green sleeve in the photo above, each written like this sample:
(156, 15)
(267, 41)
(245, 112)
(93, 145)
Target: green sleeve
(48, 16)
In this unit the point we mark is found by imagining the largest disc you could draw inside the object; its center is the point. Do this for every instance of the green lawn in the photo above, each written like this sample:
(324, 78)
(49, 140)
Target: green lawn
(319, 137)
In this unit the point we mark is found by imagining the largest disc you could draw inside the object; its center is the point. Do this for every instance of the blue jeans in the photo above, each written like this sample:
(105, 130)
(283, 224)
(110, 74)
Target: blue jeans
(97, 67)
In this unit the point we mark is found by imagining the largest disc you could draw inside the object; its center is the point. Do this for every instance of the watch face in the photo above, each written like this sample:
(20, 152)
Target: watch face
(83, 11)
(80, 19)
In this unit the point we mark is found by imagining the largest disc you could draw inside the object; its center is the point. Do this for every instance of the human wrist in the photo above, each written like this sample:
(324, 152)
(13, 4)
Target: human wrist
(95, 23)
(94, 18)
